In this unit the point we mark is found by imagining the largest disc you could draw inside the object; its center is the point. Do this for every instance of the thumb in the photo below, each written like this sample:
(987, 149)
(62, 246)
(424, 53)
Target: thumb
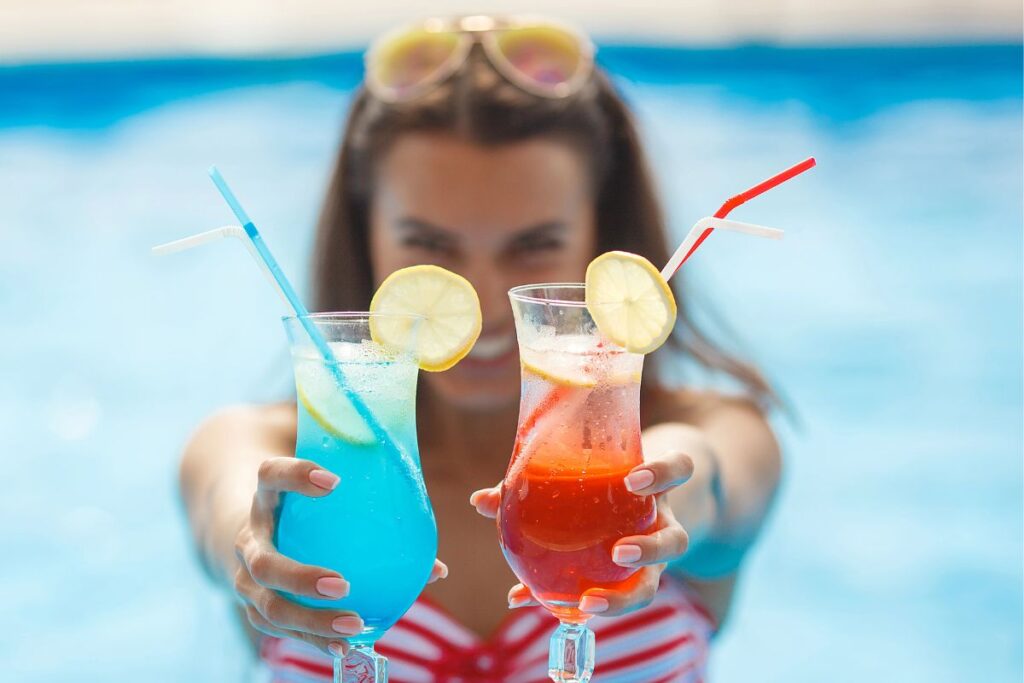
(486, 501)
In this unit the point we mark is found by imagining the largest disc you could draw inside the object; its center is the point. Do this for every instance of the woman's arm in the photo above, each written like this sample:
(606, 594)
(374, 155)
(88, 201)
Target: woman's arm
(714, 474)
(232, 475)
(736, 471)
(714, 477)
(736, 466)
(218, 477)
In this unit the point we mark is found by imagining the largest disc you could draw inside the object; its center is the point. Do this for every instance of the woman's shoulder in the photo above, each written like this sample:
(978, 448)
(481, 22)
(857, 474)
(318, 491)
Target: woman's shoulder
(695, 406)
(736, 422)
(274, 420)
(278, 415)
(272, 415)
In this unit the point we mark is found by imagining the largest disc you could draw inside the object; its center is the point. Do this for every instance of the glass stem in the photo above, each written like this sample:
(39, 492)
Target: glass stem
(361, 665)
(571, 658)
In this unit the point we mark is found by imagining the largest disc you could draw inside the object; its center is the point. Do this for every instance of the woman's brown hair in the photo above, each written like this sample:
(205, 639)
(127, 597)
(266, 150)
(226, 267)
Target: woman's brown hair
(479, 105)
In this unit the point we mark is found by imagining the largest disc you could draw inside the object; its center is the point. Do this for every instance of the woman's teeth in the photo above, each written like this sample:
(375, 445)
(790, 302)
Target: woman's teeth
(489, 348)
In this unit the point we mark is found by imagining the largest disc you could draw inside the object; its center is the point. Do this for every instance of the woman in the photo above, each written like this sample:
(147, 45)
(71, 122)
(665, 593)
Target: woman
(499, 152)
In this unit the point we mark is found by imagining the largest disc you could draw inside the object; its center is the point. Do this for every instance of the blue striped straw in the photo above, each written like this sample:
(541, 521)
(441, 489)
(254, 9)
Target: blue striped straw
(300, 310)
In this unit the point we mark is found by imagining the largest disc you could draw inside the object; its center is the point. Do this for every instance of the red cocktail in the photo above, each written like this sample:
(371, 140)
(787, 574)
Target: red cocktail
(564, 503)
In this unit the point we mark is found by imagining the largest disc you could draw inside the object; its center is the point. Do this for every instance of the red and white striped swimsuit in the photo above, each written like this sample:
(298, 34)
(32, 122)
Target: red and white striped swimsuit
(665, 642)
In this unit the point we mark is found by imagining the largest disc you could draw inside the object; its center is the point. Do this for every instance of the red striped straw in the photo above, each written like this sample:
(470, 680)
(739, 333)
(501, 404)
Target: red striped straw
(747, 195)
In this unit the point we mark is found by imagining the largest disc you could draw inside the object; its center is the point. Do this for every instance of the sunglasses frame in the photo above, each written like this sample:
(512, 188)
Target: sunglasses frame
(483, 30)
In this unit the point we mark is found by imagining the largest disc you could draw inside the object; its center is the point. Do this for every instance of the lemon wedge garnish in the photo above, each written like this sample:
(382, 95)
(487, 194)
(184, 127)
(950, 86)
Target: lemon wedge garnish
(446, 302)
(630, 301)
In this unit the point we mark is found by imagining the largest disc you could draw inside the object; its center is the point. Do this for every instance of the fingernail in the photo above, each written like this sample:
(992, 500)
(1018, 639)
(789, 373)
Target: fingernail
(347, 626)
(324, 479)
(444, 570)
(639, 480)
(336, 649)
(593, 604)
(625, 554)
(517, 601)
(332, 587)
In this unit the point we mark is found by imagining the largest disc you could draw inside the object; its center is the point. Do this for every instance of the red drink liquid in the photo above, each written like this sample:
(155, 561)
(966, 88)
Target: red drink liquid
(564, 502)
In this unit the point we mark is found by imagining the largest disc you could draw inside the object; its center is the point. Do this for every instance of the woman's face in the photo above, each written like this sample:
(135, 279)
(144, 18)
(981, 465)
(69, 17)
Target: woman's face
(500, 216)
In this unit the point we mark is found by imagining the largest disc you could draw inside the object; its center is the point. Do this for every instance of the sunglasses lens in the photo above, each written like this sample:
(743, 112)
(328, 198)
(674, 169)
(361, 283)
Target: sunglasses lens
(412, 59)
(548, 57)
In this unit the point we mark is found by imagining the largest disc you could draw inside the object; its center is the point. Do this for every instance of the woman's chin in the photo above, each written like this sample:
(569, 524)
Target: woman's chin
(482, 402)
(479, 384)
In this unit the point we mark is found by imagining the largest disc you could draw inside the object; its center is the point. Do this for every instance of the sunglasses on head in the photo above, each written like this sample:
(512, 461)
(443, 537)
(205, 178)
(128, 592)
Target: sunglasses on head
(539, 56)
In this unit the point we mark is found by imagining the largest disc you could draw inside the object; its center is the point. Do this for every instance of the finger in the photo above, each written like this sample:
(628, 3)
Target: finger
(336, 647)
(486, 501)
(284, 474)
(664, 545)
(520, 596)
(284, 615)
(440, 571)
(262, 625)
(246, 589)
(659, 473)
(296, 475)
(608, 602)
(275, 571)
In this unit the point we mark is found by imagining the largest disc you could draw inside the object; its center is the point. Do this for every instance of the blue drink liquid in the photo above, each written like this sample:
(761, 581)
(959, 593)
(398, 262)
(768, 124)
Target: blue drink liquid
(377, 527)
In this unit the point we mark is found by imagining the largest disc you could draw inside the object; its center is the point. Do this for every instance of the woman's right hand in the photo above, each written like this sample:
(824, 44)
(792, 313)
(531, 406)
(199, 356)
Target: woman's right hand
(263, 571)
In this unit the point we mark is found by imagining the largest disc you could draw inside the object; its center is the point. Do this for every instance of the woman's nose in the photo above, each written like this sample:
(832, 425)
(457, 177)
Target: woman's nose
(493, 293)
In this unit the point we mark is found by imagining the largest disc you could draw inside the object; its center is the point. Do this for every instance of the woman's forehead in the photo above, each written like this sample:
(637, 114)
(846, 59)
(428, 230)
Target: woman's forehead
(450, 182)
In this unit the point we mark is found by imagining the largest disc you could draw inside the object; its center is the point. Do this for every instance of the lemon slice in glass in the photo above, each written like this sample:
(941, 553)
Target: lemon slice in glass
(570, 367)
(448, 305)
(630, 301)
(318, 392)
(568, 372)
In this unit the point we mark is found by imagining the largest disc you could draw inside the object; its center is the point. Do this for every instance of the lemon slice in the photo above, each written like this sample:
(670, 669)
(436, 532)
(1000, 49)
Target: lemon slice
(318, 393)
(572, 366)
(630, 301)
(564, 374)
(448, 305)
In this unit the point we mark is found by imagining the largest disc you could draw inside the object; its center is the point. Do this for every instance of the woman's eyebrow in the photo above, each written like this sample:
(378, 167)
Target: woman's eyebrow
(447, 238)
(547, 229)
(424, 228)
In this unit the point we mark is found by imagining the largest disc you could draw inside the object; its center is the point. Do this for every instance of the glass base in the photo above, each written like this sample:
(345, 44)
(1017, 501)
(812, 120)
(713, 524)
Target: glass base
(571, 657)
(361, 665)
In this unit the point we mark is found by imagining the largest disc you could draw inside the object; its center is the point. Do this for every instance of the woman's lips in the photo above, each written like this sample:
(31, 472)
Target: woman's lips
(491, 351)
(492, 346)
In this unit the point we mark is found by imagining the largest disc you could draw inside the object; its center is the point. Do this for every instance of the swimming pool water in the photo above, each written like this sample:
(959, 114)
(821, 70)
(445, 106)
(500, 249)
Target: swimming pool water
(890, 315)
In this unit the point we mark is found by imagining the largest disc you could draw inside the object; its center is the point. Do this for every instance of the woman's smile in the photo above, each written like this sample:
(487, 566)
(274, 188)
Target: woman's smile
(490, 354)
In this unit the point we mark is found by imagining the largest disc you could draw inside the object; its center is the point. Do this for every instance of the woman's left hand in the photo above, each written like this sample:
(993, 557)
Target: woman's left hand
(661, 472)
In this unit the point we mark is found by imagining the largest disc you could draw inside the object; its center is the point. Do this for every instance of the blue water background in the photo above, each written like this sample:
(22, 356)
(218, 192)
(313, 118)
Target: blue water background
(890, 315)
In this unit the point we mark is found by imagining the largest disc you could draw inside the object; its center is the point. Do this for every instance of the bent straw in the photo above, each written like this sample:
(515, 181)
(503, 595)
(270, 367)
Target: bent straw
(732, 203)
(258, 249)
(223, 232)
(702, 228)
